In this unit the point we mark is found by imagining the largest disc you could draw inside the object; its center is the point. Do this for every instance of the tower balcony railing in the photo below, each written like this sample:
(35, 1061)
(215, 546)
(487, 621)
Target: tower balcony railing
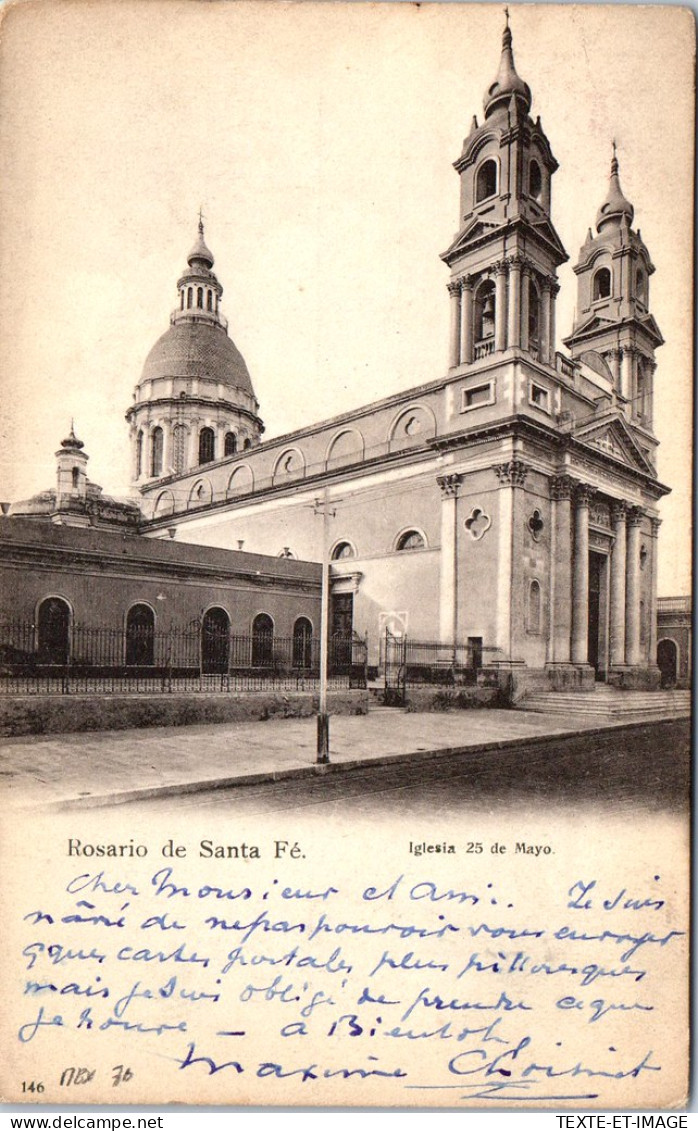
(197, 313)
(674, 604)
(484, 348)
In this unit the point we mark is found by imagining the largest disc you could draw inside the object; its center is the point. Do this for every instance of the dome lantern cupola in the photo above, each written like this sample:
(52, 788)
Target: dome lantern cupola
(194, 403)
(508, 83)
(615, 206)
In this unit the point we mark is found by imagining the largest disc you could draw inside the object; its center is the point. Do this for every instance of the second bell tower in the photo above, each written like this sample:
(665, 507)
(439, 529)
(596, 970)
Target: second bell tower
(504, 259)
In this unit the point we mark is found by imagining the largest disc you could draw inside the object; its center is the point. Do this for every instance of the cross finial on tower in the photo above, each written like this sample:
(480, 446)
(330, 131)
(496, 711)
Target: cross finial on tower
(614, 161)
(506, 13)
(201, 221)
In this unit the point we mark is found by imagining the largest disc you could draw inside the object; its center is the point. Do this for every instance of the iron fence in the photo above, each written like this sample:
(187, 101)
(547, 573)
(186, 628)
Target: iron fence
(429, 663)
(60, 658)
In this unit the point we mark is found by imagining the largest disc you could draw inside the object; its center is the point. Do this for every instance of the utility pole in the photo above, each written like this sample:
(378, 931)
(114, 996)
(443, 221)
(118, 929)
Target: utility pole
(323, 719)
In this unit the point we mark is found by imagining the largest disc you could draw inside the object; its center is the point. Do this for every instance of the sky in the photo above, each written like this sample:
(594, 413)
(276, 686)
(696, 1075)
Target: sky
(318, 138)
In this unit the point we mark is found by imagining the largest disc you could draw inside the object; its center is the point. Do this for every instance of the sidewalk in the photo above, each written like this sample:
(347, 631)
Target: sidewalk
(107, 767)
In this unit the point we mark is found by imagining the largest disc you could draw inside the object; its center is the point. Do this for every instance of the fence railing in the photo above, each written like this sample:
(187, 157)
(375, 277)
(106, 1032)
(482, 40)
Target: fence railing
(61, 658)
(429, 663)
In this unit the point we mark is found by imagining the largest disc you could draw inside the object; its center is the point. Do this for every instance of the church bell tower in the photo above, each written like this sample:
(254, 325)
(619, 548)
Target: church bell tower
(613, 326)
(504, 259)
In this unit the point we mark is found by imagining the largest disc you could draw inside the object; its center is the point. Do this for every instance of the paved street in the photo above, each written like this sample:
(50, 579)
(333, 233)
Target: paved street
(645, 767)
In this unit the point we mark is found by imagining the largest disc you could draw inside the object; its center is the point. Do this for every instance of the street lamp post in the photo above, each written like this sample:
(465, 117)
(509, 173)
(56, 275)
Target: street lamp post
(323, 719)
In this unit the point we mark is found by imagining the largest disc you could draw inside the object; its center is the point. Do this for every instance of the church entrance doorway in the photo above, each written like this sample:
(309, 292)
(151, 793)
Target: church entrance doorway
(596, 655)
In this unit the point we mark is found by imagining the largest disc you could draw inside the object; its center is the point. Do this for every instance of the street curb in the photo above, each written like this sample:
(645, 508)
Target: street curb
(317, 769)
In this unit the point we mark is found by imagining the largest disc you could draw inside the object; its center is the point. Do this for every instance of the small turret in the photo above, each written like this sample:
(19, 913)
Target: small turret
(72, 460)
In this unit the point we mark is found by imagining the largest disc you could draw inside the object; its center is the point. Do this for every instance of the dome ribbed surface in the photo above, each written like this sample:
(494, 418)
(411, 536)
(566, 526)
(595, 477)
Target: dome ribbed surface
(195, 349)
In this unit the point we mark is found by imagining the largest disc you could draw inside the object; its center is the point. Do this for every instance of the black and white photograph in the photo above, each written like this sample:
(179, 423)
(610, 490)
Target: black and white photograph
(345, 546)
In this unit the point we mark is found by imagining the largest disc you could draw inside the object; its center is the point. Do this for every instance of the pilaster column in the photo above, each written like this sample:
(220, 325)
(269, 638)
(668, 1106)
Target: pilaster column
(454, 291)
(627, 373)
(652, 650)
(545, 312)
(500, 313)
(525, 279)
(514, 310)
(166, 446)
(554, 291)
(510, 475)
(466, 337)
(580, 575)
(194, 444)
(650, 367)
(448, 565)
(561, 491)
(632, 589)
(618, 568)
(612, 358)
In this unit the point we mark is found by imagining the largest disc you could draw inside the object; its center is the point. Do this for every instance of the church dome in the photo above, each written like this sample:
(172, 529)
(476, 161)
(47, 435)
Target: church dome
(197, 349)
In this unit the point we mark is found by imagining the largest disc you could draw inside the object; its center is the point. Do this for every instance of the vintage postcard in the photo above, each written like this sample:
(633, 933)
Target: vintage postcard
(345, 625)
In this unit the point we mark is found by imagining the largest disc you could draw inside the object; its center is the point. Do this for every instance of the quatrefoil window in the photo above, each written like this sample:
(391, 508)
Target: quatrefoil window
(535, 525)
(478, 524)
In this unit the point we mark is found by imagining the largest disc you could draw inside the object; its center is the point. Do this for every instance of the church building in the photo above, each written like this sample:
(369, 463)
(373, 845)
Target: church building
(509, 505)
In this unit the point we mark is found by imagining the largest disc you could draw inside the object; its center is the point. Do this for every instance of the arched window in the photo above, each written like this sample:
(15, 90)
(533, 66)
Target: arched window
(190, 297)
(231, 444)
(209, 300)
(139, 453)
(486, 181)
(140, 637)
(200, 297)
(302, 643)
(534, 607)
(262, 640)
(343, 550)
(215, 641)
(410, 540)
(641, 286)
(533, 316)
(181, 300)
(156, 441)
(53, 641)
(247, 444)
(179, 447)
(602, 284)
(484, 311)
(207, 445)
(668, 662)
(76, 478)
(535, 180)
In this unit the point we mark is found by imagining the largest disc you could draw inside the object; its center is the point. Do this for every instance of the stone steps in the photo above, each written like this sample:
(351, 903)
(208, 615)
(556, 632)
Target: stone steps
(608, 703)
